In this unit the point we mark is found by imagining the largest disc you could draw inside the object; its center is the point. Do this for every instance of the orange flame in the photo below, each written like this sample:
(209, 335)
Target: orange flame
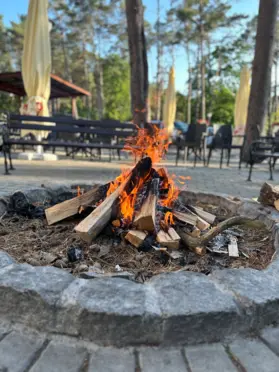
(152, 142)
(79, 191)
(169, 219)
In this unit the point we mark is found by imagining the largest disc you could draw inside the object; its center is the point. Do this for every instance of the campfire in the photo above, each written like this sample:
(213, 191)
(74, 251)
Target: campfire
(142, 205)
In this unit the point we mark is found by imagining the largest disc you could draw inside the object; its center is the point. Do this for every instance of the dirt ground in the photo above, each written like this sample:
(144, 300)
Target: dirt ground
(33, 241)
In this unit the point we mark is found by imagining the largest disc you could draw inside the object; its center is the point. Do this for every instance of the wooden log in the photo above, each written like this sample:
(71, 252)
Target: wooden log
(202, 224)
(92, 225)
(188, 218)
(173, 234)
(165, 239)
(276, 204)
(206, 216)
(146, 217)
(71, 207)
(268, 194)
(135, 237)
(195, 233)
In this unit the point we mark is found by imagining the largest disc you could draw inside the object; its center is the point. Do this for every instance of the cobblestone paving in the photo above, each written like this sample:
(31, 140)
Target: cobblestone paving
(227, 180)
(22, 350)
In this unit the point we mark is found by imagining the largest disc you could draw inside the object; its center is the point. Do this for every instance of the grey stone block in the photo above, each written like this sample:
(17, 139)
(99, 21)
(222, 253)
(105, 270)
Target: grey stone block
(271, 337)
(111, 311)
(207, 358)
(29, 294)
(254, 356)
(5, 259)
(112, 360)
(60, 358)
(165, 360)
(18, 351)
(256, 292)
(194, 308)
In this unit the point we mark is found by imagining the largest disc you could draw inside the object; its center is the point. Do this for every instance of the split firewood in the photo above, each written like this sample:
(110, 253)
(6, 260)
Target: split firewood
(92, 225)
(202, 224)
(173, 234)
(164, 239)
(268, 194)
(71, 207)
(136, 237)
(146, 217)
(188, 218)
(206, 216)
(195, 232)
(233, 248)
(192, 242)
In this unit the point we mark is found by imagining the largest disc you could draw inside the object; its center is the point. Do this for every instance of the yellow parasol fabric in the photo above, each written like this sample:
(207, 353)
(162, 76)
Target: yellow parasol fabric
(36, 59)
(242, 101)
(169, 110)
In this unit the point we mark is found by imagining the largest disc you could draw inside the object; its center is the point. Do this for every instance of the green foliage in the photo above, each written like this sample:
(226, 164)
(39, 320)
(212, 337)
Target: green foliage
(116, 78)
(223, 102)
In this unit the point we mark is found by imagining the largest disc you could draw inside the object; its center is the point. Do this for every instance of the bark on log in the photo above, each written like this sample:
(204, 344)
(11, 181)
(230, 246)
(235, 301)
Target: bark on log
(268, 194)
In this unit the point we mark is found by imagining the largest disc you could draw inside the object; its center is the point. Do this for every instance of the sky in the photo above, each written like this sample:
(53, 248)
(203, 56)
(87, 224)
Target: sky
(11, 9)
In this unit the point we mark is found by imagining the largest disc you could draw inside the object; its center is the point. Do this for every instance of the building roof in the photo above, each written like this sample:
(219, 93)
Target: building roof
(12, 82)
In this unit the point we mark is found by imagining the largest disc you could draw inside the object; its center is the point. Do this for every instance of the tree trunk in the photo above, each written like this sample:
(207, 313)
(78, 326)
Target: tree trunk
(138, 60)
(159, 58)
(261, 72)
(203, 108)
(189, 99)
(198, 96)
(98, 77)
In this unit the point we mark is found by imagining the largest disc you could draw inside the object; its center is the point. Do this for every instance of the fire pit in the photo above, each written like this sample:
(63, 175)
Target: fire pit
(139, 225)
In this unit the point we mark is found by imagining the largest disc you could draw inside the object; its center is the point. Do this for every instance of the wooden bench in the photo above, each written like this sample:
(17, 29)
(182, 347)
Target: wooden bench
(87, 134)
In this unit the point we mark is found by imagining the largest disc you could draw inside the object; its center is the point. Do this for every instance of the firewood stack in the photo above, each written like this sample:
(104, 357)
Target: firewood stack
(143, 207)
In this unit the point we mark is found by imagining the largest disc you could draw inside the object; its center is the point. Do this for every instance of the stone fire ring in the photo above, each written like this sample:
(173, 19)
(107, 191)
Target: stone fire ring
(171, 309)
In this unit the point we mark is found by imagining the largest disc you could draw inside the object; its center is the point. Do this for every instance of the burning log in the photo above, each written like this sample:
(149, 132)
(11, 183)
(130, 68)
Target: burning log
(92, 225)
(71, 207)
(146, 218)
(136, 237)
(192, 243)
(166, 240)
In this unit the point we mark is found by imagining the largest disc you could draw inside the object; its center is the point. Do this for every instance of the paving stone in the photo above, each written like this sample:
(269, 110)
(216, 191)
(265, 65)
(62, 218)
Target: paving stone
(112, 360)
(5, 259)
(256, 291)
(207, 358)
(254, 356)
(111, 311)
(164, 360)
(60, 358)
(29, 294)
(193, 308)
(271, 336)
(17, 351)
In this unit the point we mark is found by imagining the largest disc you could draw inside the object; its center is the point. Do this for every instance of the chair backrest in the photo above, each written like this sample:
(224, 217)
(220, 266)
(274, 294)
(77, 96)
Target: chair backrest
(194, 133)
(223, 137)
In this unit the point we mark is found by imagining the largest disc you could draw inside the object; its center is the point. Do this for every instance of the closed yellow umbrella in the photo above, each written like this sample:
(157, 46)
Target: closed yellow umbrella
(242, 101)
(169, 110)
(36, 59)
